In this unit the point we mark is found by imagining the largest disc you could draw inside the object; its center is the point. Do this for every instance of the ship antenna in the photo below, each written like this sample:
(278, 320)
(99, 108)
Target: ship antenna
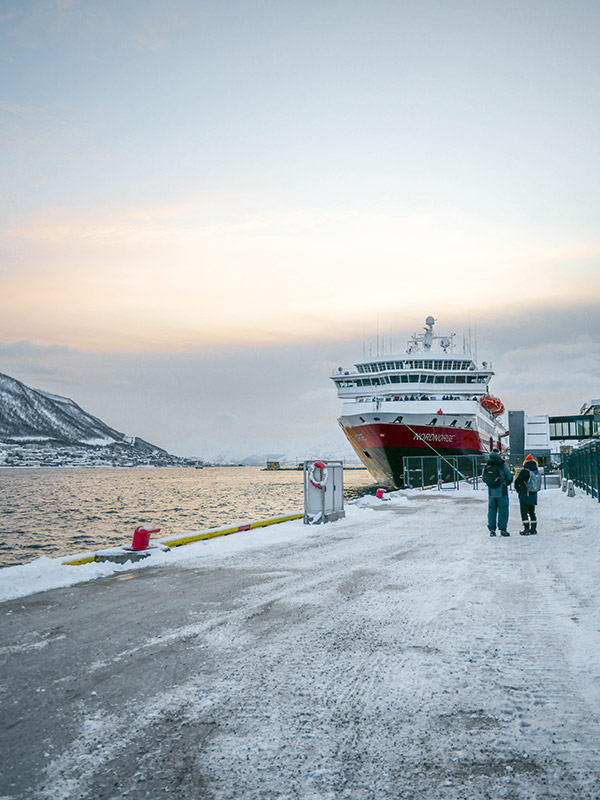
(470, 349)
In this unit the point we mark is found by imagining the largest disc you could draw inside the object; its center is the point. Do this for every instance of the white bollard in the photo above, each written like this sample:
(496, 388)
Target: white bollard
(570, 489)
(564, 484)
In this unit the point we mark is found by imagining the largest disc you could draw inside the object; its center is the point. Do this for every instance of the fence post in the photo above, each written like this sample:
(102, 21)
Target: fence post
(597, 471)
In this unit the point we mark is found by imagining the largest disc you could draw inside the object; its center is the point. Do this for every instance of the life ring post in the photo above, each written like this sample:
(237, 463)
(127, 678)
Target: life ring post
(323, 491)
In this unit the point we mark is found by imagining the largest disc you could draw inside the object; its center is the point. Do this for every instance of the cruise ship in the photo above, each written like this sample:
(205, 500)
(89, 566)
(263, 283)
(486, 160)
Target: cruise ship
(428, 401)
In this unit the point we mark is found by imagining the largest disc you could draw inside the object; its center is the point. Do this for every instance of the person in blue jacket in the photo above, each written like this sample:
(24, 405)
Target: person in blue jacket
(528, 495)
(497, 476)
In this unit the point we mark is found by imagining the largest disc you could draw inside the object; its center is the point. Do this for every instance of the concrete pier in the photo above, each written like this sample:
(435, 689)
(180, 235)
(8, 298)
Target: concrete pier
(398, 653)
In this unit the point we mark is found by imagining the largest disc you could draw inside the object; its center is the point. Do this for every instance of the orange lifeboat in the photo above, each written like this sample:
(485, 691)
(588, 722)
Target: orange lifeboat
(493, 404)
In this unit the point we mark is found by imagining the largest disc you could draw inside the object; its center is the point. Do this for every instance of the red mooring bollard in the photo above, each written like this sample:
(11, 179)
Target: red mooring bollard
(141, 537)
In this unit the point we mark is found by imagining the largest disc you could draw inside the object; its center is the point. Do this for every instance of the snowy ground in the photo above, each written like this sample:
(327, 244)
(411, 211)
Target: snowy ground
(399, 653)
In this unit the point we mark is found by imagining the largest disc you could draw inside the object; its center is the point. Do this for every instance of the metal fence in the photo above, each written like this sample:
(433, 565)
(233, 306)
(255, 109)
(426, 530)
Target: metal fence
(582, 466)
(422, 471)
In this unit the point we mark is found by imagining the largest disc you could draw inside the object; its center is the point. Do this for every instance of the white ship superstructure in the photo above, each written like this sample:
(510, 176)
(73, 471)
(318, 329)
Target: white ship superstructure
(427, 400)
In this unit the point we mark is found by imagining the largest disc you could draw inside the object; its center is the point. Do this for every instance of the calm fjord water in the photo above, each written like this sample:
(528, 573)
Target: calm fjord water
(54, 512)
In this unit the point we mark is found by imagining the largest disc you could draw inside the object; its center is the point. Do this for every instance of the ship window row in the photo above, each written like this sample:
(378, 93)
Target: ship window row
(414, 364)
(385, 379)
(417, 396)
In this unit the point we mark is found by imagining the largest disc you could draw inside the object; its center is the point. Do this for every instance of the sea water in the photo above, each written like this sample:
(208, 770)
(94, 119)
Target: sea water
(59, 511)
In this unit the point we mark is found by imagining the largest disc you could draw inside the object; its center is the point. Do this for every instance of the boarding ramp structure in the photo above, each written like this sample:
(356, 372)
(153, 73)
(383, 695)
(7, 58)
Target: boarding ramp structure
(445, 472)
(426, 472)
(323, 491)
(539, 435)
(575, 427)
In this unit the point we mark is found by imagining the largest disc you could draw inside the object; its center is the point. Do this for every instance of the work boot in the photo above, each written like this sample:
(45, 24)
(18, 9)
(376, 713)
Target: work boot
(504, 533)
(525, 531)
(533, 530)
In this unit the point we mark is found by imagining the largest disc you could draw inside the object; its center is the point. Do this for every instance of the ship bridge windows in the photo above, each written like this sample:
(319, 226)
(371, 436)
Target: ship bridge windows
(410, 364)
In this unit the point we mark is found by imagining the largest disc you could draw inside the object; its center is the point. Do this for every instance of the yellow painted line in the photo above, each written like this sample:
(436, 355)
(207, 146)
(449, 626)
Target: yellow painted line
(77, 562)
(198, 537)
(263, 523)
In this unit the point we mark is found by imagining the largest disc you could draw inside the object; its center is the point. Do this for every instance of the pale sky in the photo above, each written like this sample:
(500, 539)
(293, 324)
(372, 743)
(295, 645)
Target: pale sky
(219, 201)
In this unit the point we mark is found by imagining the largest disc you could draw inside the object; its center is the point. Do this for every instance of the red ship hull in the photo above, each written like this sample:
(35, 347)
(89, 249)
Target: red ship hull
(382, 447)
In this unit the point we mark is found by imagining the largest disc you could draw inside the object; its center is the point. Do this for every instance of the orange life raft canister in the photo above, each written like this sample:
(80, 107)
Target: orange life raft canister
(493, 404)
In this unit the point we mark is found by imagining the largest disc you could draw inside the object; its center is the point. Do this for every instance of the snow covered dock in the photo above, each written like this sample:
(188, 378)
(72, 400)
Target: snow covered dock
(398, 653)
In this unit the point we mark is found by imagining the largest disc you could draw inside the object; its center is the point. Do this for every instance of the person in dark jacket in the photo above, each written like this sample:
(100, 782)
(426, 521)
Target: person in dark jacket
(527, 498)
(497, 495)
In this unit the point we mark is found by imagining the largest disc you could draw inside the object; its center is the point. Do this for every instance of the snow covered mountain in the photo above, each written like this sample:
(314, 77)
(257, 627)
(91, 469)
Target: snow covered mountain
(31, 416)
